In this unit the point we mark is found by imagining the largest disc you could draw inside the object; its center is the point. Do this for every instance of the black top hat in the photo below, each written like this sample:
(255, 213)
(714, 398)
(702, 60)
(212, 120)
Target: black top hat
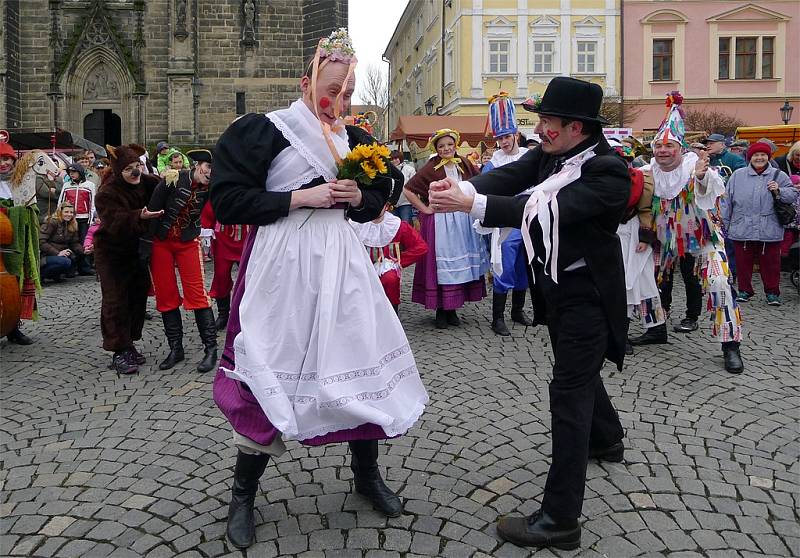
(571, 98)
(199, 155)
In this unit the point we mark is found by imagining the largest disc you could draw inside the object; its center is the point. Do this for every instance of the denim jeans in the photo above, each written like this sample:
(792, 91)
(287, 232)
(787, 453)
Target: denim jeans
(404, 212)
(55, 266)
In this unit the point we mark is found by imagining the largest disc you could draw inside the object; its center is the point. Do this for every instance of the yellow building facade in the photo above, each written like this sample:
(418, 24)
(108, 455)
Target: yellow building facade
(454, 54)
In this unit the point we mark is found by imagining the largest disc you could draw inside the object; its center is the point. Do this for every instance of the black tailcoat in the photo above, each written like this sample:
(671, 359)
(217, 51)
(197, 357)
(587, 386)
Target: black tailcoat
(590, 209)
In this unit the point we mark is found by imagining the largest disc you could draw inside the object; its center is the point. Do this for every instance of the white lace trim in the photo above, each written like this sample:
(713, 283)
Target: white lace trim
(308, 156)
(377, 235)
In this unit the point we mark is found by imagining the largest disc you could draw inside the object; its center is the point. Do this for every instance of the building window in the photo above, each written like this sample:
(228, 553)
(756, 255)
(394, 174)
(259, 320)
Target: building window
(448, 63)
(746, 55)
(767, 57)
(746, 58)
(587, 57)
(724, 58)
(543, 57)
(418, 93)
(241, 104)
(662, 59)
(498, 57)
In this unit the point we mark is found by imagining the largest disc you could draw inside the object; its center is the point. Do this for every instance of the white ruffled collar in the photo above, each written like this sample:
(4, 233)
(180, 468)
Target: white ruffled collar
(499, 157)
(668, 184)
(378, 235)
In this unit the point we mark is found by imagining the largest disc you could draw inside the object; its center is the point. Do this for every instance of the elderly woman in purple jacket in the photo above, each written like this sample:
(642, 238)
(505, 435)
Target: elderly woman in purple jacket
(748, 212)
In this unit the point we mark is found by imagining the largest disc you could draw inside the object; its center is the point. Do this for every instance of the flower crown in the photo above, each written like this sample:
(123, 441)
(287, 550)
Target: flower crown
(337, 47)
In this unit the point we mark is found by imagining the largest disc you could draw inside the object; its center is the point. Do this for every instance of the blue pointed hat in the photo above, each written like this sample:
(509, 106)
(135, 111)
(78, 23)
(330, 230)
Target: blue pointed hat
(502, 115)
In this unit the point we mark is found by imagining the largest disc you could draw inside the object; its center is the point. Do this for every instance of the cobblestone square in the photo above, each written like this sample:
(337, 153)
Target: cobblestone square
(94, 465)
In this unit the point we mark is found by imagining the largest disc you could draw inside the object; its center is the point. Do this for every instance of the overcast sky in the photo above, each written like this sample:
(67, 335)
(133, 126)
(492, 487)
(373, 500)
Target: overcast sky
(371, 26)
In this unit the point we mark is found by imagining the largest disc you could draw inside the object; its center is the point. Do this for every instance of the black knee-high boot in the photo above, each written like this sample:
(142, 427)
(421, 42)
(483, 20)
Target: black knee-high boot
(173, 329)
(241, 528)
(208, 333)
(223, 311)
(518, 308)
(498, 311)
(367, 478)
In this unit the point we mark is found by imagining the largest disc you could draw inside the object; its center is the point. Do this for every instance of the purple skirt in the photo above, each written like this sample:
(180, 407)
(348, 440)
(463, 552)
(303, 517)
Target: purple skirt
(427, 290)
(236, 401)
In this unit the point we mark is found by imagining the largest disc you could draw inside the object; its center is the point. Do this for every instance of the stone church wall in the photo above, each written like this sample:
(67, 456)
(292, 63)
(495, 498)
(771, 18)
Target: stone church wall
(176, 80)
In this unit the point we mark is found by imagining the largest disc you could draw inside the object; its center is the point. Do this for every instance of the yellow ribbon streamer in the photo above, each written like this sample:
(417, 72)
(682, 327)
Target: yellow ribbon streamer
(443, 162)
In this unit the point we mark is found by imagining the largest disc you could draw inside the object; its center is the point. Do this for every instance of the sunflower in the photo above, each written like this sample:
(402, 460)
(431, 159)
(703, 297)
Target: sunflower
(380, 164)
(368, 169)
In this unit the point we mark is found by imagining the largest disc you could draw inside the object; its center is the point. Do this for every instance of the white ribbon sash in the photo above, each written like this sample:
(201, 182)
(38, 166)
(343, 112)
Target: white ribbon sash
(542, 202)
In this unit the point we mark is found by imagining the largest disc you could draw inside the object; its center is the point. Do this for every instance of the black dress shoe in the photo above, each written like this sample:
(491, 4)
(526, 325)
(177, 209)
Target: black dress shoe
(540, 530)
(19, 338)
(653, 336)
(614, 453)
(686, 325)
(452, 318)
(732, 357)
(441, 319)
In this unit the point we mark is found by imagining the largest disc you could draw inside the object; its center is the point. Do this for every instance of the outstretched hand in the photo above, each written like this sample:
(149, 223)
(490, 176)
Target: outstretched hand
(446, 197)
(147, 214)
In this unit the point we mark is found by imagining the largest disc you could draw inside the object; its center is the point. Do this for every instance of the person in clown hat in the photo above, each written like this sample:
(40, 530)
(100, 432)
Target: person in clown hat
(452, 271)
(685, 191)
(508, 253)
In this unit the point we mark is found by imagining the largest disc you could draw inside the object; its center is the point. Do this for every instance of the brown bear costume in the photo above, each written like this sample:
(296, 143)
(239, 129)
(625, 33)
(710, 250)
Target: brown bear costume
(124, 280)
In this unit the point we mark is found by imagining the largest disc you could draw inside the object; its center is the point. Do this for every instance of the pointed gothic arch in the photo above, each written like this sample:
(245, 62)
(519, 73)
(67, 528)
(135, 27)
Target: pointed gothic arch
(99, 81)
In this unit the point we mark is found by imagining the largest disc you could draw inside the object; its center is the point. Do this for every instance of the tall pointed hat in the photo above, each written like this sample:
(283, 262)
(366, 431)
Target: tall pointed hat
(672, 127)
(502, 115)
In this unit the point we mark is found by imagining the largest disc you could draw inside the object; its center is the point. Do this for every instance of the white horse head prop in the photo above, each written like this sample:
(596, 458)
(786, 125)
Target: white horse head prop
(23, 178)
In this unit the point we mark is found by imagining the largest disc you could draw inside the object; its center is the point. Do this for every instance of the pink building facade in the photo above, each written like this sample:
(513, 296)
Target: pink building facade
(732, 56)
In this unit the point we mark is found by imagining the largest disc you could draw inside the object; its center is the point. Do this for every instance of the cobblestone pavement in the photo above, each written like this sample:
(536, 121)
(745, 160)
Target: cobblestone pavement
(94, 466)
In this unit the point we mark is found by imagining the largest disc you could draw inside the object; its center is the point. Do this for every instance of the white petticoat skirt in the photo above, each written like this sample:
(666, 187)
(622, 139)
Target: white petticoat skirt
(641, 290)
(320, 346)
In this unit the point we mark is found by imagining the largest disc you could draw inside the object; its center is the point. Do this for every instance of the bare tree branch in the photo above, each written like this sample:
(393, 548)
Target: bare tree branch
(375, 94)
(712, 121)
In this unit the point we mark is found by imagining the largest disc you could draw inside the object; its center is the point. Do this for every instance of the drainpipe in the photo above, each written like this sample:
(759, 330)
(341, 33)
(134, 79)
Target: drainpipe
(441, 58)
(387, 111)
(621, 123)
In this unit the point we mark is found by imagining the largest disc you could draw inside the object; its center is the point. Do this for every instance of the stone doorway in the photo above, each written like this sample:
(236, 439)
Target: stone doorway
(103, 126)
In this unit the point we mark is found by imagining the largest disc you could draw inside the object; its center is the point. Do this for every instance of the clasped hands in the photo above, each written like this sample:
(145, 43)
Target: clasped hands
(328, 194)
(445, 196)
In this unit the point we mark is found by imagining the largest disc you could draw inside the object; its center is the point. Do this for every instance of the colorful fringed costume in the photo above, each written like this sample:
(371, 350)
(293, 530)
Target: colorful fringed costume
(682, 206)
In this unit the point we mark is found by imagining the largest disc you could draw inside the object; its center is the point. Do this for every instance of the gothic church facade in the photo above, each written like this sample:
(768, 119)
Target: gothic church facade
(120, 71)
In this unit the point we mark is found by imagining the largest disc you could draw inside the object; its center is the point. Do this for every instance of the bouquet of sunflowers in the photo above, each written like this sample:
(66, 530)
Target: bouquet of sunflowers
(364, 163)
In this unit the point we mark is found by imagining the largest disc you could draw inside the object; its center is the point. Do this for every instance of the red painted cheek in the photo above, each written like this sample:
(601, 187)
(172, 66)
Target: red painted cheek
(552, 134)
(324, 102)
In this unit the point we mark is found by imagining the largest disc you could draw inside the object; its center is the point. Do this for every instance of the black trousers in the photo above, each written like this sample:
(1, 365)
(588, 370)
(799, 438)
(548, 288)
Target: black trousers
(694, 292)
(581, 412)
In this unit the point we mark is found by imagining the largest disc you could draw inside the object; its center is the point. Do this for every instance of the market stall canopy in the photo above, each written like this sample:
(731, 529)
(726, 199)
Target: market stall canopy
(782, 136)
(23, 140)
(418, 129)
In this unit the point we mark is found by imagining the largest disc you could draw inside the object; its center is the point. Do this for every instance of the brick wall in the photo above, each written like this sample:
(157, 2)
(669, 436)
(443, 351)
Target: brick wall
(13, 83)
(320, 17)
(268, 72)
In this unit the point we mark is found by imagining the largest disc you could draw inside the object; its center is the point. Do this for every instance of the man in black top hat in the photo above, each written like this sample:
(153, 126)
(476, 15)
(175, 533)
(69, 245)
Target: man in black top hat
(569, 222)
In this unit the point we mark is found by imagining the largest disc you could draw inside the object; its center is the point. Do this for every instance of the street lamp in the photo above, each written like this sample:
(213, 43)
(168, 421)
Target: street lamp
(429, 106)
(786, 112)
